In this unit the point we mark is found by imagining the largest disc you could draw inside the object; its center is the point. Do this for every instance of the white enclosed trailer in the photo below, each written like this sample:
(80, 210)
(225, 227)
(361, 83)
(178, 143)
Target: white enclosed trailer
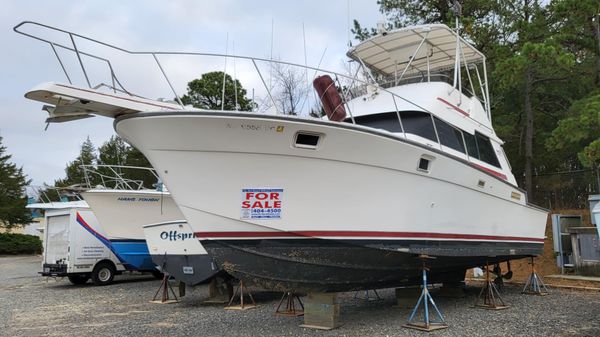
(76, 247)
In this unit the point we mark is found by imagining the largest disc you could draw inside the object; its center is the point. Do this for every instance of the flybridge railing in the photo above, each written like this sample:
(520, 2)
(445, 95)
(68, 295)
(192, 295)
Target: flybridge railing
(119, 177)
(352, 82)
(73, 38)
(49, 194)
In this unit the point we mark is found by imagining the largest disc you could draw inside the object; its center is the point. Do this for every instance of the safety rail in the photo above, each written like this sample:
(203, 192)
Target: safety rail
(348, 90)
(49, 194)
(115, 177)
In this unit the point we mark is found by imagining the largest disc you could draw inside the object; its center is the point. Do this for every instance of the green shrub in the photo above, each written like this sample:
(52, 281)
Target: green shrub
(11, 244)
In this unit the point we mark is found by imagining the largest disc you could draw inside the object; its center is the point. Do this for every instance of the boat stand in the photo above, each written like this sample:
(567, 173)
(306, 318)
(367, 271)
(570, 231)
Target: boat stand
(321, 311)
(240, 288)
(290, 306)
(165, 289)
(534, 284)
(367, 296)
(489, 296)
(428, 324)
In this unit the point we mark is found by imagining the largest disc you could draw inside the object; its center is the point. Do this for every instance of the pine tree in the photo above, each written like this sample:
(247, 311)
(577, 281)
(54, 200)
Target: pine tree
(12, 197)
(74, 170)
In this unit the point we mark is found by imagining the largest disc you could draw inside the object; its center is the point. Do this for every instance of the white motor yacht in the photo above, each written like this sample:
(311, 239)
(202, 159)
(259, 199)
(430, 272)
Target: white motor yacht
(408, 164)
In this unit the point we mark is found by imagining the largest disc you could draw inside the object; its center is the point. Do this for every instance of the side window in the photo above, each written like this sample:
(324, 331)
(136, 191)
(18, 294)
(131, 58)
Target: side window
(486, 151)
(449, 135)
(471, 145)
(387, 121)
(418, 123)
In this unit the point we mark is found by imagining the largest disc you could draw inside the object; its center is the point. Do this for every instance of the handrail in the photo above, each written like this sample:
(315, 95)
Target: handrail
(154, 54)
(115, 177)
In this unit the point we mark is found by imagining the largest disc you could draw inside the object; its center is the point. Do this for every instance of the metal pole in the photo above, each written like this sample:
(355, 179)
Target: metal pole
(398, 115)
(80, 62)
(265, 84)
(427, 295)
(412, 58)
(224, 73)
(169, 82)
(61, 64)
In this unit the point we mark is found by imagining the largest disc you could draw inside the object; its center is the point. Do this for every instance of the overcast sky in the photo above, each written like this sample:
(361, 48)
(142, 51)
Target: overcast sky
(199, 26)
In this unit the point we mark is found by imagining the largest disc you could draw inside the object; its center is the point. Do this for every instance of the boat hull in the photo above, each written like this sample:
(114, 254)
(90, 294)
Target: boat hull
(175, 250)
(134, 254)
(331, 266)
(357, 186)
(123, 212)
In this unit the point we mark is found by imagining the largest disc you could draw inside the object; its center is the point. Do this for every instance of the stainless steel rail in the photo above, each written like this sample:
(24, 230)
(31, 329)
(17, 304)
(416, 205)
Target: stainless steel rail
(74, 36)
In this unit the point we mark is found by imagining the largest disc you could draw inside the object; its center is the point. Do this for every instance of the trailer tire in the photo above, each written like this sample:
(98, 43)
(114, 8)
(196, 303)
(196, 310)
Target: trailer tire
(103, 274)
(78, 279)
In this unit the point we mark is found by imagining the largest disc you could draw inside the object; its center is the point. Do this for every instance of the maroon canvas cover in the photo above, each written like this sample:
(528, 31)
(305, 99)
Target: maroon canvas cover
(330, 98)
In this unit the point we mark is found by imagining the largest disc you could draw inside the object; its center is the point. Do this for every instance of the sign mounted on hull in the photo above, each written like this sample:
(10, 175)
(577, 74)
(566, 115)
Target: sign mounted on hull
(261, 203)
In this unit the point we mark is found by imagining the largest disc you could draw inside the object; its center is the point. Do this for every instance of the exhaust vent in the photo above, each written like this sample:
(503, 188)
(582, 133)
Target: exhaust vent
(307, 140)
(424, 164)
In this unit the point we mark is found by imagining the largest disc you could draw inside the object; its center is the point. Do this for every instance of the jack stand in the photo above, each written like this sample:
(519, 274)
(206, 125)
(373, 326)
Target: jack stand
(534, 284)
(491, 295)
(425, 298)
(290, 307)
(241, 306)
(367, 297)
(166, 288)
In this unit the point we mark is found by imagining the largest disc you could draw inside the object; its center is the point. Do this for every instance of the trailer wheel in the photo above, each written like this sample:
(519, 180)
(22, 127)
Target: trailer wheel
(103, 274)
(79, 278)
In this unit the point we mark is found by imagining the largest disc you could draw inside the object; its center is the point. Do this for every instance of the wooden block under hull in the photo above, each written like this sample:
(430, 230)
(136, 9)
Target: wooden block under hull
(321, 311)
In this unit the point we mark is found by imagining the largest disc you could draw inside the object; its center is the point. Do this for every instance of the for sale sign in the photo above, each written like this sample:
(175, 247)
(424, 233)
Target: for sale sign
(261, 203)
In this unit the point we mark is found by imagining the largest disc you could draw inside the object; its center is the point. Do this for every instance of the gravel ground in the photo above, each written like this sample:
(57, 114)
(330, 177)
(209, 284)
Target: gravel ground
(33, 306)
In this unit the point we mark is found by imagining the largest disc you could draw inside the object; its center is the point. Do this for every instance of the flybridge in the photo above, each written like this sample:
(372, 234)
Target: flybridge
(424, 53)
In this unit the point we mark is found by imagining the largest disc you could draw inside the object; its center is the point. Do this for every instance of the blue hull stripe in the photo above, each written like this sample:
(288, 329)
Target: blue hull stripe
(133, 254)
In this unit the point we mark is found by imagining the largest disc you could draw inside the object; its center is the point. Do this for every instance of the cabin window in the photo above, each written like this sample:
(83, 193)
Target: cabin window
(387, 121)
(471, 143)
(449, 135)
(480, 147)
(486, 151)
(418, 123)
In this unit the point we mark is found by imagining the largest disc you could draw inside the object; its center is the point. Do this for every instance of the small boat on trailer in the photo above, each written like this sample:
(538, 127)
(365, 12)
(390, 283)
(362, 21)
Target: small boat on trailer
(410, 165)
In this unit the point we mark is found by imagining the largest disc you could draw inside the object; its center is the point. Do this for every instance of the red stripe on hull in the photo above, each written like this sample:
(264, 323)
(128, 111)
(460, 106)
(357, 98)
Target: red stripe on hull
(353, 234)
(497, 174)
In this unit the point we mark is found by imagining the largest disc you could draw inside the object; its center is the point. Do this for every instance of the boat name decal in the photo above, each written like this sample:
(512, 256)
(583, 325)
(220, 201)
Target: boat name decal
(142, 199)
(259, 127)
(174, 236)
(261, 203)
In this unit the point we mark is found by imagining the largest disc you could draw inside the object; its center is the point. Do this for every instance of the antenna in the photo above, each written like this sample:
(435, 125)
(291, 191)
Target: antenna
(271, 57)
(348, 25)
(305, 69)
(234, 79)
(224, 73)
(457, 9)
